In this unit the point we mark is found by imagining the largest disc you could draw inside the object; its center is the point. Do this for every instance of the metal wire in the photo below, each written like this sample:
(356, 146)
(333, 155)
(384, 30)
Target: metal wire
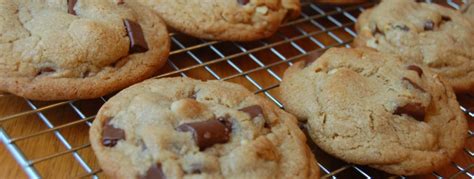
(328, 21)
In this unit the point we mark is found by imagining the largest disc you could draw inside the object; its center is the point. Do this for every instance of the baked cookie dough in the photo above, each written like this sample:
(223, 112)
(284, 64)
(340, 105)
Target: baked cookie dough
(369, 108)
(228, 20)
(423, 34)
(57, 50)
(185, 128)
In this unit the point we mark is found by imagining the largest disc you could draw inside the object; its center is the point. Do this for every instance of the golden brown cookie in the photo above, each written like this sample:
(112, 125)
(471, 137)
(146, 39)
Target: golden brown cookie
(369, 108)
(185, 128)
(54, 50)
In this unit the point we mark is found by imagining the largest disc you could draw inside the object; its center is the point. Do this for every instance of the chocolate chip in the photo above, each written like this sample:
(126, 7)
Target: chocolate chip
(243, 2)
(415, 110)
(120, 2)
(154, 172)
(429, 25)
(111, 135)
(207, 133)
(137, 40)
(445, 18)
(70, 6)
(402, 27)
(416, 68)
(45, 70)
(253, 111)
(413, 84)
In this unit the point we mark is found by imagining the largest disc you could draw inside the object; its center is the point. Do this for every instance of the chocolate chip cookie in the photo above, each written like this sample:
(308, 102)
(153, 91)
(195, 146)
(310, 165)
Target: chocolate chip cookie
(423, 34)
(369, 108)
(185, 128)
(55, 50)
(229, 20)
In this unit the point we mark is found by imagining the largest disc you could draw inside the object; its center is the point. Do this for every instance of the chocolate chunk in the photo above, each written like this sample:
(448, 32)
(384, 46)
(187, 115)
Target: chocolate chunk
(111, 135)
(243, 2)
(445, 18)
(155, 172)
(416, 68)
(45, 70)
(415, 110)
(414, 84)
(253, 111)
(402, 27)
(120, 2)
(137, 40)
(429, 25)
(207, 133)
(70, 6)
(196, 168)
(225, 120)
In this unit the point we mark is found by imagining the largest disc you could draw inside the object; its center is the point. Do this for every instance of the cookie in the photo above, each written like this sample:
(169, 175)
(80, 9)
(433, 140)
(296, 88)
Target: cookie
(55, 50)
(368, 108)
(228, 20)
(185, 128)
(423, 34)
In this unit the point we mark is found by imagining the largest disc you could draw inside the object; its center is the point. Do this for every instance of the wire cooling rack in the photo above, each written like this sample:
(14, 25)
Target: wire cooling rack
(48, 137)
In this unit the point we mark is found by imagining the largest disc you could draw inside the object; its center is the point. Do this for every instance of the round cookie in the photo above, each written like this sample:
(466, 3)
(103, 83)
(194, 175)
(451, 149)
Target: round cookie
(424, 34)
(228, 20)
(369, 108)
(55, 50)
(185, 128)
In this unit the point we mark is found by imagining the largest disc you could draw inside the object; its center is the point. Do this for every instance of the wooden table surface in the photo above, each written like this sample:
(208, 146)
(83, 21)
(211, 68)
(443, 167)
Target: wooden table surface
(65, 166)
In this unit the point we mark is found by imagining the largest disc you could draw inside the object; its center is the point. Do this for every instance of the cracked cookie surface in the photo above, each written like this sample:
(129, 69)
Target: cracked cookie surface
(185, 128)
(55, 50)
(230, 20)
(424, 34)
(369, 108)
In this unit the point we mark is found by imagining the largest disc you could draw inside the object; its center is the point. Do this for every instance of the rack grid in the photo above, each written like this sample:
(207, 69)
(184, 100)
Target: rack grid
(54, 135)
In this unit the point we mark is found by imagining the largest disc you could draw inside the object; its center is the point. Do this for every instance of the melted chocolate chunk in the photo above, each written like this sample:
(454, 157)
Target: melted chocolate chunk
(137, 39)
(415, 110)
(416, 68)
(70, 6)
(155, 172)
(445, 18)
(402, 27)
(208, 133)
(225, 120)
(111, 135)
(429, 25)
(243, 2)
(414, 84)
(253, 111)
